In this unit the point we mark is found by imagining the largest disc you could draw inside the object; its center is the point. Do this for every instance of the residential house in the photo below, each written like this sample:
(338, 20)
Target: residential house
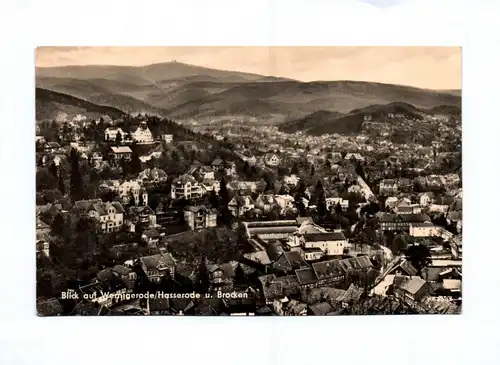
(142, 134)
(222, 276)
(406, 208)
(425, 229)
(426, 198)
(152, 176)
(239, 205)
(285, 202)
(42, 229)
(132, 189)
(142, 217)
(151, 237)
(218, 164)
(354, 156)
(287, 262)
(230, 168)
(205, 173)
(412, 289)
(292, 180)
(388, 187)
(328, 272)
(121, 153)
(199, 217)
(51, 147)
(42, 248)
(405, 185)
(96, 159)
(331, 203)
(400, 222)
(157, 267)
(266, 202)
(111, 134)
(272, 159)
(331, 243)
(208, 186)
(167, 138)
(109, 215)
(49, 308)
(186, 186)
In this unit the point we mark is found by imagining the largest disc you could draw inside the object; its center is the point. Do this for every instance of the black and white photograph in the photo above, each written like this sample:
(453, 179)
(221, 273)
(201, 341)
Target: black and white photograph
(248, 181)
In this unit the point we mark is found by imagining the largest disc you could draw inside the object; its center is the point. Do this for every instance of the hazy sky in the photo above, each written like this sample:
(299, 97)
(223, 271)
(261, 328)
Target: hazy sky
(426, 67)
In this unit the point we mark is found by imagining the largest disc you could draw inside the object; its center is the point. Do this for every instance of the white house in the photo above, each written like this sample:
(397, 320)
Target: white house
(168, 138)
(285, 202)
(272, 160)
(111, 133)
(331, 243)
(425, 229)
(186, 186)
(142, 134)
(292, 180)
(331, 203)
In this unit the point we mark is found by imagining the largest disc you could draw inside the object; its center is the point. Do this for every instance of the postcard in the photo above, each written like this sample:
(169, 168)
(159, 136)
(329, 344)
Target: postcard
(248, 181)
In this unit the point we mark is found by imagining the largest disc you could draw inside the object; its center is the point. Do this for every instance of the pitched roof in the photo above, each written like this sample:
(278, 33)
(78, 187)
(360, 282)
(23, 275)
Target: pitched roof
(352, 294)
(259, 257)
(364, 262)
(327, 236)
(412, 285)
(152, 262)
(183, 179)
(270, 287)
(321, 309)
(121, 270)
(306, 276)
(121, 149)
(328, 269)
(50, 307)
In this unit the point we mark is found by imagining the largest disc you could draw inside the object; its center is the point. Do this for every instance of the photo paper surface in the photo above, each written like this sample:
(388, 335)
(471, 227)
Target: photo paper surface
(248, 181)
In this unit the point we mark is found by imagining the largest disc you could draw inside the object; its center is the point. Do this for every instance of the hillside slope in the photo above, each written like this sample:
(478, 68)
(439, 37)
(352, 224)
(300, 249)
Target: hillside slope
(286, 97)
(185, 91)
(53, 105)
(325, 122)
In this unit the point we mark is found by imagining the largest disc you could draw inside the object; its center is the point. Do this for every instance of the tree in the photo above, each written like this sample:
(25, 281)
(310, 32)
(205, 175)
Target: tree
(118, 138)
(141, 199)
(338, 209)
(295, 169)
(76, 184)
(419, 256)
(203, 276)
(223, 193)
(135, 163)
(239, 275)
(321, 205)
(60, 185)
(313, 171)
(57, 225)
(54, 170)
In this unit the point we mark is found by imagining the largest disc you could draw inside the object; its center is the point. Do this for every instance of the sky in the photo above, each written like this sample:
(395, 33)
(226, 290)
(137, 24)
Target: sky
(426, 67)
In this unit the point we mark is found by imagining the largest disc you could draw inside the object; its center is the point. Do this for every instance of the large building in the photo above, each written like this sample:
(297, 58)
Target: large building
(199, 217)
(109, 215)
(142, 134)
(186, 186)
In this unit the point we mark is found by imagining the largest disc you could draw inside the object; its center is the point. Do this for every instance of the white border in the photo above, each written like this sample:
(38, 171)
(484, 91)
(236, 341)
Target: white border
(469, 338)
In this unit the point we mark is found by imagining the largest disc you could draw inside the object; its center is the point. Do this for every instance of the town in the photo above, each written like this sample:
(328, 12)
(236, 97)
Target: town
(286, 223)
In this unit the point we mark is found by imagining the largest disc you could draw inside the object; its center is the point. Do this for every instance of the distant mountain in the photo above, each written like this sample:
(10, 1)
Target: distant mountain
(185, 91)
(302, 98)
(146, 75)
(324, 122)
(52, 105)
